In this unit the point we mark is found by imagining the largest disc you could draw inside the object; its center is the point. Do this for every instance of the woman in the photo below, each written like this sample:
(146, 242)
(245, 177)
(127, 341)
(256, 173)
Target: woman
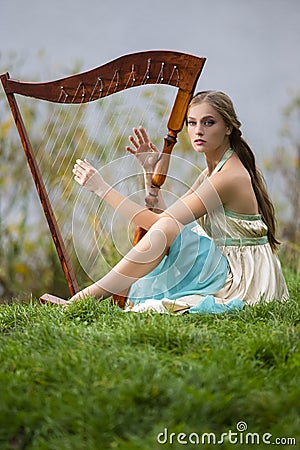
(223, 261)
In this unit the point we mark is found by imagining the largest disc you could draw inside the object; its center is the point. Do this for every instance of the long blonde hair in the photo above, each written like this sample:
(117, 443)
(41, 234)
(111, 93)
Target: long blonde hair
(224, 106)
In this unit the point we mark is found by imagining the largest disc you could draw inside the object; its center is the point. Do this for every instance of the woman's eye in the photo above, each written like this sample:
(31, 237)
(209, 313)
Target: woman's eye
(209, 123)
(191, 123)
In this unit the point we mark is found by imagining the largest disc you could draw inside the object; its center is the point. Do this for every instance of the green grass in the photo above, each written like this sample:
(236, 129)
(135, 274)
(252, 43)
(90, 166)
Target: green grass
(92, 377)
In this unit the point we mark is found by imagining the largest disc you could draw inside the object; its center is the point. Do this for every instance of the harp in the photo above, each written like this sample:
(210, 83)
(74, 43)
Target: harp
(179, 70)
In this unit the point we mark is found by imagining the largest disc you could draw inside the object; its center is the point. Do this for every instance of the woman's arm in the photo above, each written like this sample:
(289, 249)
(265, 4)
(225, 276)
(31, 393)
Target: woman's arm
(86, 175)
(210, 194)
(152, 192)
(147, 156)
(196, 184)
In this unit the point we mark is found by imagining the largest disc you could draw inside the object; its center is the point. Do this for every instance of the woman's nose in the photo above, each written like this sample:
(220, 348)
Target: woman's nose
(199, 130)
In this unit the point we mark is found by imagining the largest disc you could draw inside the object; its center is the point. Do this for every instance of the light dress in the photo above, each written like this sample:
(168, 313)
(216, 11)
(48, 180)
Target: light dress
(209, 271)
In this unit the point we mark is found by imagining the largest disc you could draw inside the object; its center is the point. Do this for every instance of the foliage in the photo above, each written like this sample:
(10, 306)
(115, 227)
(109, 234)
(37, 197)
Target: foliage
(285, 162)
(92, 377)
(28, 263)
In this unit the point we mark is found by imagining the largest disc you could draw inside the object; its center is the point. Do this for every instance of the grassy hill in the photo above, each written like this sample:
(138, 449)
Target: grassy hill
(92, 377)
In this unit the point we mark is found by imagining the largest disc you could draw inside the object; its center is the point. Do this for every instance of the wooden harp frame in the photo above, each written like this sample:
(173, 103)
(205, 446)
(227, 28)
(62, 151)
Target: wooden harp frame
(171, 68)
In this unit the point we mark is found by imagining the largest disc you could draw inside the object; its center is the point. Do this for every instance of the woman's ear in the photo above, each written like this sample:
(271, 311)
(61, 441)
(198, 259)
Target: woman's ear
(229, 131)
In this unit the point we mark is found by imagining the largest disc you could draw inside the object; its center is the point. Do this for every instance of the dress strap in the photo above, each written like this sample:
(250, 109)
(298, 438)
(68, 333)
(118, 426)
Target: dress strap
(222, 161)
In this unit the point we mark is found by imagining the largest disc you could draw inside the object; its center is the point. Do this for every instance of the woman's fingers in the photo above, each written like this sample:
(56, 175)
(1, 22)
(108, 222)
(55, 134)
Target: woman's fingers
(144, 135)
(131, 150)
(80, 175)
(153, 147)
(141, 142)
(84, 164)
(138, 136)
(141, 135)
(83, 170)
(133, 141)
(140, 139)
(78, 170)
(79, 180)
(84, 167)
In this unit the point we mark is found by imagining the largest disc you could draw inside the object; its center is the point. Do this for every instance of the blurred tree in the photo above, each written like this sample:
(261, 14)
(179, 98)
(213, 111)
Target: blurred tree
(285, 162)
(28, 261)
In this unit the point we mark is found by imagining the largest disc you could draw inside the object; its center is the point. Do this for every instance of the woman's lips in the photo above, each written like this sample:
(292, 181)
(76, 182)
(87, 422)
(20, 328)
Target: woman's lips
(199, 141)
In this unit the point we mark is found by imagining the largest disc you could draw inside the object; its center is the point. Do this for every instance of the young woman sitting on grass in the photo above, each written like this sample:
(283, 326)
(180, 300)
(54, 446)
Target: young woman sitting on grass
(214, 249)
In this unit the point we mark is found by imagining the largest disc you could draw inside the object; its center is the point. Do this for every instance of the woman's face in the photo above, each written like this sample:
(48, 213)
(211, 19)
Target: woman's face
(207, 129)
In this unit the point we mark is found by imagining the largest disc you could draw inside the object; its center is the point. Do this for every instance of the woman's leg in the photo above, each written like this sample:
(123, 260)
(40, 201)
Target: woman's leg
(139, 261)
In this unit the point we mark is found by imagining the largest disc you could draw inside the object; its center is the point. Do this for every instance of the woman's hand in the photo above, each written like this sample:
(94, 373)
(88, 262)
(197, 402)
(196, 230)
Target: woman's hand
(144, 150)
(86, 175)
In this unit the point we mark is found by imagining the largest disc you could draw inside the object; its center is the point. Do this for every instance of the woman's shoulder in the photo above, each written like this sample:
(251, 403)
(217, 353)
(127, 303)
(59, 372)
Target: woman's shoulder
(234, 171)
(232, 175)
(233, 184)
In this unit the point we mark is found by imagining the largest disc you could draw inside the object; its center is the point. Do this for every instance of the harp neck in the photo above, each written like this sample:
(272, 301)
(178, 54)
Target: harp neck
(151, 67)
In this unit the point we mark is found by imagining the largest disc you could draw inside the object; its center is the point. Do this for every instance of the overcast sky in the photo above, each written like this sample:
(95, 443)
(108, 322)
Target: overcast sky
(252, 47)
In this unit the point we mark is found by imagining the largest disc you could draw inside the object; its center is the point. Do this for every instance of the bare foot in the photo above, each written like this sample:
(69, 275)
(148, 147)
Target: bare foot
(48, 298)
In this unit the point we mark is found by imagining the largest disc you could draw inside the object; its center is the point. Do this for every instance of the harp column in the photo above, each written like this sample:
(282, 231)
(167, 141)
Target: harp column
(175, 125)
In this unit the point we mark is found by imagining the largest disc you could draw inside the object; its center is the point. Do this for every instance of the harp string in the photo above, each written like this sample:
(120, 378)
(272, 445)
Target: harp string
(159, 80)
(131, 76)
(39, 154)
(115, 80)
(90, 224)
(80, 85)
(97, 123)
(101, 235)
(91, 156)
(62, 121)
(119, 136)
(46, 131)
(92, 258)
(66, 175)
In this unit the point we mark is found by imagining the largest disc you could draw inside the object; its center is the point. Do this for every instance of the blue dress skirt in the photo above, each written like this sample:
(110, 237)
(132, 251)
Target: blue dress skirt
(194, 265)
